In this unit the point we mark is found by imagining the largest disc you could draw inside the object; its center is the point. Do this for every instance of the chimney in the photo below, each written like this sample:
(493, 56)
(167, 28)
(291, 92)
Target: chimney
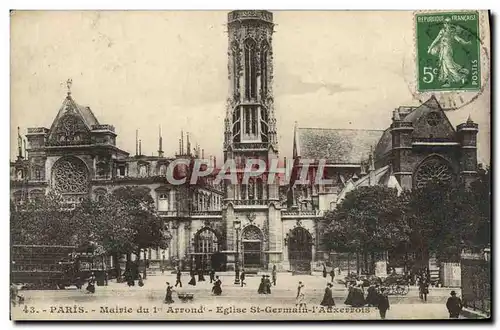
(136, 142)
(160, 143)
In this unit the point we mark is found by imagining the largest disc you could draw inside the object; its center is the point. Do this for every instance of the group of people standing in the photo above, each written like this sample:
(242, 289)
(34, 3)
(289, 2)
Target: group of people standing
(216, 288)
(376, 297)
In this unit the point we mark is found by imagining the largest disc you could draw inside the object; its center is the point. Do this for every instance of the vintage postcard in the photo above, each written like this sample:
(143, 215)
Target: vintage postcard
(250, 165)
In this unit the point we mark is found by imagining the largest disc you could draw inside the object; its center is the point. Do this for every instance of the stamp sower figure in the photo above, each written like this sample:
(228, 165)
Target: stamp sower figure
(216, 289)
(212, 275)
(454, 305)
(328, 297)
(192, 281)
(178, 281)
(168, 295)
(262, 285)
(383, 303)
(274, 275)
(242, 277)
(301, 298)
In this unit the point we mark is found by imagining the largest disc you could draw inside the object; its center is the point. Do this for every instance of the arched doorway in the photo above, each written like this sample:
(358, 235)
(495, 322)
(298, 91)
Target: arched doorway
(300, 250)
(252, 247)
(207, 250)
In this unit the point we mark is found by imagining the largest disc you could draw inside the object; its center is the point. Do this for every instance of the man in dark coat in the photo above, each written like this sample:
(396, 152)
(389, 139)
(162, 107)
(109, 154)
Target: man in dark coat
(262, 285)
(201, 278)
(383, 303)
(454, 305)
(178, 281)
(242, 277)
(372, 296)
(192, 281)
(212, 275)
(324, 271)
(423, 288)
(328, 297)
(332, 274)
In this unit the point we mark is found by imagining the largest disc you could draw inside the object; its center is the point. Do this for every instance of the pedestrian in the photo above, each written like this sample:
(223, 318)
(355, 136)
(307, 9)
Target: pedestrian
(192, 281)
(372, 296)
(324, 271)
(201, 278)
(454, 305)
(383, 303)
(168, 295)
(212, 275)
(242, 277)
(91, 284)
(267, 286)
(162, 268)
(217, 288)
(424, 289)
(140, 282)
(332, 274)
(328, 297)
(274, 275)
(178, 280)
(262, 285)
(301, 298)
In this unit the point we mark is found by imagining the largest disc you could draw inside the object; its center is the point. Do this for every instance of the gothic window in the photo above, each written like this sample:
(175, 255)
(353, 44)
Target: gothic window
(163, 202)
(206, 241)
(235, 68)
(163, 170)
(252, 233)
(433, 118)
(433, 170)
(236, 125)
(20, 174)
(251, 189)
(70, 176)
(250, 73)
(244, 191)
(263, 67)
(260, 189)
(121, 170)
(263, 124)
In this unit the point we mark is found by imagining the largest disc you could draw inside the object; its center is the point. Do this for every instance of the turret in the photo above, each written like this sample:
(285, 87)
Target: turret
(467, 137)
(401, 132)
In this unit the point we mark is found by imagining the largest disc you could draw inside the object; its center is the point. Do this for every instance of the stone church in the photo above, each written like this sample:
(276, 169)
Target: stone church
(251, 224)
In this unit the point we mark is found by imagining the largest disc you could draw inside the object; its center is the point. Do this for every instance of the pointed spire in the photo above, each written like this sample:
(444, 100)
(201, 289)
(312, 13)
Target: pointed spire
(160, 142)
(372, 160)
(140, 151)
(19, 144)
(188, 145)
(355, 177)
(363, 169)
(69, 82)
(180, 147)
(136, 142)
(469, 120)
(182, 142)
(25, 150)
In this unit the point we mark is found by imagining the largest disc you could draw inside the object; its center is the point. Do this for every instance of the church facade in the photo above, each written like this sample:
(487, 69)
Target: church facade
(248, 223)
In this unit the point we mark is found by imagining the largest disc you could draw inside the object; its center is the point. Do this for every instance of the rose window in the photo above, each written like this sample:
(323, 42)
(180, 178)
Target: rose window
(70, 176)
(433, 119)
(434, 170)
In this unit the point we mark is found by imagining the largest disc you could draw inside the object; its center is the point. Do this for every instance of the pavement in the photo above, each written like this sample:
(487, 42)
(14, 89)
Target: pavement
(118, 301)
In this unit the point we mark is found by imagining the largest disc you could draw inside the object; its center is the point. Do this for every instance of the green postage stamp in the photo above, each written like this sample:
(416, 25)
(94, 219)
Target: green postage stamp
(448, 51)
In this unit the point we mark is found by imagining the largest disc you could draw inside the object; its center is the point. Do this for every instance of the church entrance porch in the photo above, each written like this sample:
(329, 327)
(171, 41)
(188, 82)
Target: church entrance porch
(300, 251)
(252, 244)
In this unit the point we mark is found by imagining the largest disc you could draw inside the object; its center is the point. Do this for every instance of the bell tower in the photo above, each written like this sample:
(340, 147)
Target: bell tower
(250, 134)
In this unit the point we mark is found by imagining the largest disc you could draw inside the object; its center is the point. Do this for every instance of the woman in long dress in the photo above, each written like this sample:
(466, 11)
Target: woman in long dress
(216, 289)
(301, 298)
(449, 71)
(328, 297)
(193, 279)
(262, 285)
(168, 295)
(91, 284)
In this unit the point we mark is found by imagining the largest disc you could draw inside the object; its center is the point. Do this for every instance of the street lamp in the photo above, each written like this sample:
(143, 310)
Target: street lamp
(237, 226)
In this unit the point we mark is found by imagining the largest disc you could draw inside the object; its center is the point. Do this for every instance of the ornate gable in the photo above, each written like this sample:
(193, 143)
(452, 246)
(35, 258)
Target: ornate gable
(72, 125)
(431, 123)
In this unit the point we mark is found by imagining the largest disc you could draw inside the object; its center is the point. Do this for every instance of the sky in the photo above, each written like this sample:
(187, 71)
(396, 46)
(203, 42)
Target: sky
(140, 70)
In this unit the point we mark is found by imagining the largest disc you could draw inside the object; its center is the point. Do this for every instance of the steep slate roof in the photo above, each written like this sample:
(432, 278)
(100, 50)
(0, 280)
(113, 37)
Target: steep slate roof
(85, 113)
(384, 144)
(337, 146)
